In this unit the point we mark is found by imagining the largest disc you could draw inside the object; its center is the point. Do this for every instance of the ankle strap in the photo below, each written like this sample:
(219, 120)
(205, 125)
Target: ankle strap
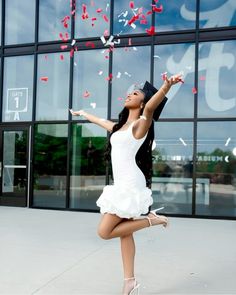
(127, 279)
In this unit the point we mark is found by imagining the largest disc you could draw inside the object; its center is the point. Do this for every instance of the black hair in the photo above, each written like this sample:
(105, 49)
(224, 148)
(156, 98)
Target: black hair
(144, 155)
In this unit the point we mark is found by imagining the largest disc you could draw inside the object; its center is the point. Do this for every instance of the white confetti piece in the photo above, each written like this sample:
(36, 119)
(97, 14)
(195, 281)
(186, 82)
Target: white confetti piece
(73, 42)
(118, 75)
(103, 39)
(100, 73)
(157, 56)
(135, 48)
(93, 105)
(126, 73)
(132, 25)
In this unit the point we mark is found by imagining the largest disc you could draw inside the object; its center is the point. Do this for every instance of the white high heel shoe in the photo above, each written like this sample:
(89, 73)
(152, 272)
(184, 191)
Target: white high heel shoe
(157, 219)
(135, 289)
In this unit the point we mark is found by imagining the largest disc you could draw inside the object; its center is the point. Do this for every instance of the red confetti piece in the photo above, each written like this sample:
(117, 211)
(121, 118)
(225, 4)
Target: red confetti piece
(94, 18)
(140, 11)
(45, 79)
(131, 4)
(72, 52)
(106, 33)
(130, 42)
(109, 78)
(105, 18)
(106, 56)
(99, 10)
(151, 31)
(120, 98)
(85, 13)
(65, 37)
(86, 94)
(149, 12)
(63, 47)
(194, 90)
(90, 44)
(157, 9)
(202, 78)
(72, 12)
(143, 22)
(133, 19)
(61, 56)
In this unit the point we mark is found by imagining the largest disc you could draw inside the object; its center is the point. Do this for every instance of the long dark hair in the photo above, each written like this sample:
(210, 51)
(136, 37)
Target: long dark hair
(144, 154)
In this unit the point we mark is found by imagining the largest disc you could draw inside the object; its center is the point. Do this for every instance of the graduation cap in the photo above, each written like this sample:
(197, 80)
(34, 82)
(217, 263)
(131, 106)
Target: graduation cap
(149, 90)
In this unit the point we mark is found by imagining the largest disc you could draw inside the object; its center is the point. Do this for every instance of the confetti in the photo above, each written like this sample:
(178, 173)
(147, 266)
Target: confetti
(85, 13)
(86, 94)
(105, 18)
(45, 79)
(64, 37)
(131, 4)
(100, 73)
(157, 9)
(107, 6)
(151, 31)
(73, 42)
(72, 52)
(124, 14)
(194, 90)
(149, 12)
(127, 74)
(202, 78)
(90, 44)
(64, 21)
(109, 78)
(61, 57)
(63, 47)
(46, 57)
(133, 19)
(118, 75)
(120, 98)
(106, 33)
(99, 10)
(157, 56)
(93, 105)
(130, 42)
(135, 48)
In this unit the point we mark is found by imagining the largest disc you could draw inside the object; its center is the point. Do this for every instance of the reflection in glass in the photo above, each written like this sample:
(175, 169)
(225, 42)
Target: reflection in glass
(123, 13)
(14, 172)
(130, 66)
(50, 157)
(87, 166)
(217, 13)
(216, 85)
(183, 12)
(53, 86)
(173, 59)
(18, 88)
(90, 85)
(173, 167)
(98, 21)
(20, 21)
(216, 169)
(51, 14)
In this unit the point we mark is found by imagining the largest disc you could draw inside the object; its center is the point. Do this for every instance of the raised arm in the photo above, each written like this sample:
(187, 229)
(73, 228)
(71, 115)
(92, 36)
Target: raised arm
(106, 124)
(142, 126)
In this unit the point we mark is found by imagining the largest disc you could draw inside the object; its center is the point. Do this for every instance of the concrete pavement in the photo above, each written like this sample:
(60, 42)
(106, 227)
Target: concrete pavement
(58, 252)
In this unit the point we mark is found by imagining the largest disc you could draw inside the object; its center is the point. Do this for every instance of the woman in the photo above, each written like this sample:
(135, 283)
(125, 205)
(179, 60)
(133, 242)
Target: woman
(124, 203)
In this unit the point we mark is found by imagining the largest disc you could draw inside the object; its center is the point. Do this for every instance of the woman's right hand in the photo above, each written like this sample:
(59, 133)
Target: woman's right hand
(77, 113)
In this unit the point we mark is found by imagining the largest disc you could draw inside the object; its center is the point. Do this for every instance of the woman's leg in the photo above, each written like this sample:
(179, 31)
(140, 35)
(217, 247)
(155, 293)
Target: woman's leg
(128, 254)
(112, 226)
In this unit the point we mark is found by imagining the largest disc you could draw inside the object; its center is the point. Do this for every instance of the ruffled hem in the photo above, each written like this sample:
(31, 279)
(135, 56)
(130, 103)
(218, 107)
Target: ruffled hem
(125, 202)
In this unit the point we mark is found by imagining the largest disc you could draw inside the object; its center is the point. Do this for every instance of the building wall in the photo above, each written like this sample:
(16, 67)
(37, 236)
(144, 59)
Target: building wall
(53, 59)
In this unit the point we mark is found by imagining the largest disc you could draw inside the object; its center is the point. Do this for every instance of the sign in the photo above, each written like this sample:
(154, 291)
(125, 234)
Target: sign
(17, 101)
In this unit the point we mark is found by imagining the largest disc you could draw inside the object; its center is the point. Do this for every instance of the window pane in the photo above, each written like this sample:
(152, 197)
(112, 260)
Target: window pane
(53, 86)
(172, 167)
(217, 13)
(216, 169)
(90, 84)
(183, 12)
(216, 85)
(98, 20)
(88, 165)
(130, 66)
(174, 59)
(18, 88)
(50, 156)
(1, 23)
(51, 14)
(20, 21)
(123, 13)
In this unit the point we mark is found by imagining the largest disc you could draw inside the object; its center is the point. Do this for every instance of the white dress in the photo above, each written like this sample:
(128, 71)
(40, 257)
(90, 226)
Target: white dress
(128, 197)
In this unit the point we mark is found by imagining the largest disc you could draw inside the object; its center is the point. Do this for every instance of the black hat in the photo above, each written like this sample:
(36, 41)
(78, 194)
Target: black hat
(149, 90)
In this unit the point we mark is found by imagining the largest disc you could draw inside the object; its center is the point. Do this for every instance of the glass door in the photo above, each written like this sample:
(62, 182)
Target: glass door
(14, 166)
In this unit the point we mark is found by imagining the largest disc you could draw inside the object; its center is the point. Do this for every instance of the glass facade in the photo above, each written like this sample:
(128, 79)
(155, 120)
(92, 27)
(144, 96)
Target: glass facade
(58, 55)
